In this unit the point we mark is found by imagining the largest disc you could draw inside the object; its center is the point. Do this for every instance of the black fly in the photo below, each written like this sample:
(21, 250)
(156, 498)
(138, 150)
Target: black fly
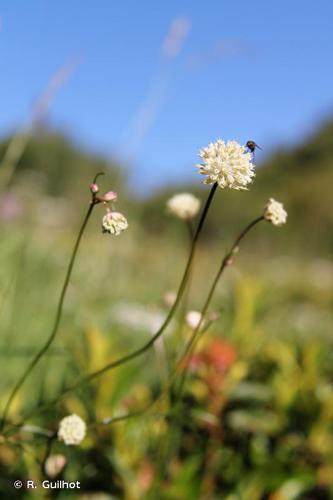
(252, 146)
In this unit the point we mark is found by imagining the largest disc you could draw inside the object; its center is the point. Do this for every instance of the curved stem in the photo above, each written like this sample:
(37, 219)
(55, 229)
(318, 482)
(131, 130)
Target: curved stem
(141, 411)
(47, 453)
(159, 332)
(227, 260)
(141, 350)
(54, 330)
(184, 359)
(197, 332)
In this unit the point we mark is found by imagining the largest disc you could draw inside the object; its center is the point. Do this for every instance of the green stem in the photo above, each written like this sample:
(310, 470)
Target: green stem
(182, 313)
(196, 333)
(152, 403)
(227, 260)
(150, 343)
(48, 450)
(55, 328)
(182, 286)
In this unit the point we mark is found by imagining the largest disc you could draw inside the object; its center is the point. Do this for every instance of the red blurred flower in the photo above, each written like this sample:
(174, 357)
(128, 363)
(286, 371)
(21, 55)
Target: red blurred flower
(220, 354)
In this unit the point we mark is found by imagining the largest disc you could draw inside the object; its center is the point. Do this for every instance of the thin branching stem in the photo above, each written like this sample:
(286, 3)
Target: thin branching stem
(227, 260)
(141, 350)
(197, 332)
(141, 411)
(200, 329)
(48, 451)
(57, 319)
(182, 286)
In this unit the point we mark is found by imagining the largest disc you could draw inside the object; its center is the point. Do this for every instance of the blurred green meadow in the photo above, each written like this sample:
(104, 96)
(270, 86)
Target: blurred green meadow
(255, 420)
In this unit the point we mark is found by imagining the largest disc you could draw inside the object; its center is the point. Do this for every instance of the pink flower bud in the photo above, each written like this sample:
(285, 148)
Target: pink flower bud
(214, 316)
(109, 196)
(170, 298)
(94, 188)
(54, 465)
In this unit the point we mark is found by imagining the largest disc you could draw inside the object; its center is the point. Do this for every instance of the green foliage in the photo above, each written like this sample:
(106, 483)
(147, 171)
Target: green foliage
(255, 419)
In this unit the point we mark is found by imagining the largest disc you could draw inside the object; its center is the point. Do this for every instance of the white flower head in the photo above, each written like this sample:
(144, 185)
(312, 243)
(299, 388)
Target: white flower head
(275, 213)
(114, 223)
(227, 163)
(193, 319)
(72, 430)
(184, 205)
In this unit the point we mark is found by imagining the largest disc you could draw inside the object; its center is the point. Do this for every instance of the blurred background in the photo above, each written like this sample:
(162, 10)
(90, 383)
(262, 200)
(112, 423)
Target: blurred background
(135, 90)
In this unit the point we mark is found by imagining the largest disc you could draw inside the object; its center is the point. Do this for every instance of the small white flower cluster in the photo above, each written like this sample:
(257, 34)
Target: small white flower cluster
(114, 222)
(229, 164)
(184, 205)
(72, 430)
(275, 213)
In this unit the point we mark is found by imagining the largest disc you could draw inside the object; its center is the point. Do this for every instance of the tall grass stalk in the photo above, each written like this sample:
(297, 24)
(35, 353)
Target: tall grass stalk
(19, 142)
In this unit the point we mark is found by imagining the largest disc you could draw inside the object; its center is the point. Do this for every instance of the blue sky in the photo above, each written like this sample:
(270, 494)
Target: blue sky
(158, 80)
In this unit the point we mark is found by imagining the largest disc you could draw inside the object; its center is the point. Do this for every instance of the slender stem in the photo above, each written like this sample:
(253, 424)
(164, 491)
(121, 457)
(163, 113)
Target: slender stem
(186, 295)
(152, 403)
(47, 453)
(55, 328)
(182, 286)
(197, 331)
(138, 352)
(185, 357)
(190, 346)
(227, 260)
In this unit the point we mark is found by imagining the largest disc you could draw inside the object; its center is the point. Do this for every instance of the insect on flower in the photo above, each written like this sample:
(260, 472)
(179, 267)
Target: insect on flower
(229, 164)
(252, 146)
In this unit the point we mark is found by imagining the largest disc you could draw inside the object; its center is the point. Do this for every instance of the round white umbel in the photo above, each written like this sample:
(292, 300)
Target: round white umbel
(114, 223)
(184, 205)
(72, 430)
(229, 164)
(275, 213)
